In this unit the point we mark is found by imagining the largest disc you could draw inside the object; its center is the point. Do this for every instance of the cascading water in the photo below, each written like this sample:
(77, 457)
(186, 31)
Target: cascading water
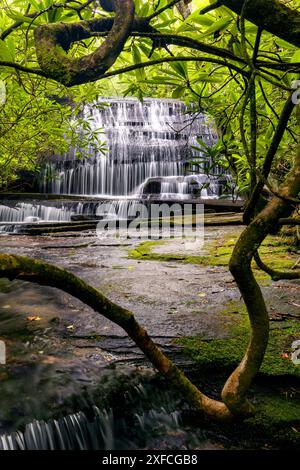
(103, 429)
(33, 212)
(149, 146)
(144, 140)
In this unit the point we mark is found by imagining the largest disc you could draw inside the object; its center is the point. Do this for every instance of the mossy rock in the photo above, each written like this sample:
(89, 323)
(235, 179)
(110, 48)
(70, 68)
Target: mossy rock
(227, 353)
(277, 418)
(275, 252)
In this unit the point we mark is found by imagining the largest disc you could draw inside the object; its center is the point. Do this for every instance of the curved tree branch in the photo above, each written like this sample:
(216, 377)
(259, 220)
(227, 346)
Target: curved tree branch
(275, 275)
(18, 267)
(54, 40)
(269, 15)
(235, 389)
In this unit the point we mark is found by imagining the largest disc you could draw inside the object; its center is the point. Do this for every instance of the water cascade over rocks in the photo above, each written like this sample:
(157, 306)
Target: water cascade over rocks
(149, 147)
(145, 140)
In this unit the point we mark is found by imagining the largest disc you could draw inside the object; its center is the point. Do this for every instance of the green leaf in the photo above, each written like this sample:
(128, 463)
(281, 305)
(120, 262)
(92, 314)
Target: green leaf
(198, 19)
(296, 56)
(16, 16)
(180, 68)
(136, 55)
(178, 92)
(5, 53)
(219, 25)
(37, 5)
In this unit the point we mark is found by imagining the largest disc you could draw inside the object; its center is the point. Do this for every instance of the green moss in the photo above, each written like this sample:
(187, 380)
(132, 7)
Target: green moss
(276, 409)
(277, 417)
(274, 252)
(51, 55)
(227, 353)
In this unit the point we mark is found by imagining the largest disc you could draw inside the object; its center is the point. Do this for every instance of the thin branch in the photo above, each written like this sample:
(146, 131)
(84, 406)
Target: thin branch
(271, 107)
(253, 132)
(22, 68)
(267, 166)
(242, 121)
(283, 66)
(35, 15)
(161, 10)
(131, 68)
(177, 40)
(289, 221)
(281, 127)
(256, 45)
(276, 275)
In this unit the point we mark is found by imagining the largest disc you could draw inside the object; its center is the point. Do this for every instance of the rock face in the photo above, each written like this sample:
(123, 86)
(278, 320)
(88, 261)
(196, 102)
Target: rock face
(145, 140)
(62, 355)
(150, 147)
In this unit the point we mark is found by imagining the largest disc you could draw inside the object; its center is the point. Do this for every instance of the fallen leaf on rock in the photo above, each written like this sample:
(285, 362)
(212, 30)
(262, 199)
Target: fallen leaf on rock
(33, 318)
(284, 356)
(202, 294)
(70, 327)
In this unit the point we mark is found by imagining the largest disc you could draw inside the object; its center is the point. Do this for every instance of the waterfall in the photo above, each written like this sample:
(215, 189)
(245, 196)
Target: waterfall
(63, 212)
(150, 146)
(26, 212)
(103, 429)
(78, 432)
(152, 139)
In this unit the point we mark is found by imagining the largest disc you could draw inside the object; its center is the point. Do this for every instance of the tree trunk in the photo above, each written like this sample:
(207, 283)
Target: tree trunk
(238, 383)
(18, 267)
(53, 40)
(271, 15)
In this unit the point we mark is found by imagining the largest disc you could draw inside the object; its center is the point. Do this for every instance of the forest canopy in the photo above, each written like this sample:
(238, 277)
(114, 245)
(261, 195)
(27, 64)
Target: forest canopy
(195, 51)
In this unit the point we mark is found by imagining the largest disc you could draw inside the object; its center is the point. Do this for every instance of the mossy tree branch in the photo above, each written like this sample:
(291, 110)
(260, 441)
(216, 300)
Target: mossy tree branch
(274, 274)
(53, 41)
(269, 15)
(235, 389)
(26, 269)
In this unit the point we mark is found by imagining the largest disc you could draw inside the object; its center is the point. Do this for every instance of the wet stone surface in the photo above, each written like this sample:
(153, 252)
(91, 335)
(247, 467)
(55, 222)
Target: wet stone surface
(57, 347)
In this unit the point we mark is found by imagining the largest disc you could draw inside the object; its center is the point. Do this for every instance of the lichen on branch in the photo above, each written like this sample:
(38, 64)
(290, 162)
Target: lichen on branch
(54, 40)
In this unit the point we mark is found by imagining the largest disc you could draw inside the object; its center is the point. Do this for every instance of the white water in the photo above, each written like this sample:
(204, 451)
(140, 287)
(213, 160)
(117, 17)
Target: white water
(149, 146)
(25, 212)
(145, 140)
